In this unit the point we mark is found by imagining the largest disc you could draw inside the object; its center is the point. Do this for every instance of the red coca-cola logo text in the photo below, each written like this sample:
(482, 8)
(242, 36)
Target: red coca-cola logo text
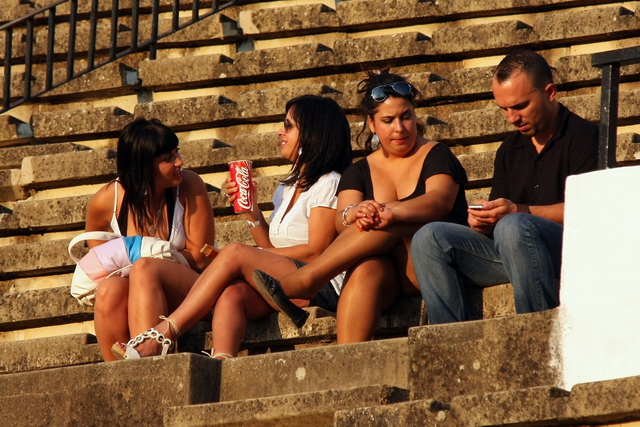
(243, 179)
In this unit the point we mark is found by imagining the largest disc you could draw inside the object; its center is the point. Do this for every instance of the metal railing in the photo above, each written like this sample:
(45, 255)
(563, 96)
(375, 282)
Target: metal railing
(49, 19)
(610, 63)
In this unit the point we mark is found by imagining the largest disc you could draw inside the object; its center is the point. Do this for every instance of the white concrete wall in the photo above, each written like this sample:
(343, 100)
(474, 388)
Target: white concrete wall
(600, 288)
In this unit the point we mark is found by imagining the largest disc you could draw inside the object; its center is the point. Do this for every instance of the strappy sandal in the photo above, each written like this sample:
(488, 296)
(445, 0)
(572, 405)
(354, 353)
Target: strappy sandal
(128, 351)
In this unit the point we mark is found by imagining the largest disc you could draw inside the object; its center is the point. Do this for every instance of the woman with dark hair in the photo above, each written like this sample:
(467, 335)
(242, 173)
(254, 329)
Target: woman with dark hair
(152, 196)
(404, 182)
(315, 137)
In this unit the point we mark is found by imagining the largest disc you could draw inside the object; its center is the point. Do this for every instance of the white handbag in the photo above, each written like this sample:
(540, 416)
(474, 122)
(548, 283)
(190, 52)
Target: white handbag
(114, 257)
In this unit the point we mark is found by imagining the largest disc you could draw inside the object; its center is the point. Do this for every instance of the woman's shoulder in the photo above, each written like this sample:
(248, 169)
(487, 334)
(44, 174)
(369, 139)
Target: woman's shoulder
(192, 183)
(330, 176)
(101, 204)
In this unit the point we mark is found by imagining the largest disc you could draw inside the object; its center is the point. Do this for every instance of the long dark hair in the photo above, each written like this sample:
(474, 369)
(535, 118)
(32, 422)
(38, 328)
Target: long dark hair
(325, 139)
(141, 141)
(368, 106)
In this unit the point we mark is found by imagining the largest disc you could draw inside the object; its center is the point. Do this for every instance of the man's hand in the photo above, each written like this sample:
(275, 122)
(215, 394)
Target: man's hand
(485, 219)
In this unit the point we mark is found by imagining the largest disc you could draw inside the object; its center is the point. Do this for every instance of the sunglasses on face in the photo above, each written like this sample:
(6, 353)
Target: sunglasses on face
(380, 93)
(288, 125)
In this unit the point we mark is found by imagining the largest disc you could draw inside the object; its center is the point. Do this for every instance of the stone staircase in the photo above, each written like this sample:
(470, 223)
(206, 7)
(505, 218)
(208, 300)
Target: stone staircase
(222, 85)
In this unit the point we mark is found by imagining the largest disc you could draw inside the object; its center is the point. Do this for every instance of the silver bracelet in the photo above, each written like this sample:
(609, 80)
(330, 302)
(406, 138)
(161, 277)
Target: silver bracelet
(344, 214)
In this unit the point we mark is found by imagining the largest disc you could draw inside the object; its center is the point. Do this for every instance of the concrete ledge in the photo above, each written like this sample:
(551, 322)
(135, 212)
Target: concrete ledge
(308, 409)
(380, 48)
(12, 157)
(45, 353)
(37, 258)
(597, 24)
(483, 39)
(466, 358)
(85, 123)
(86, 167)
(315, 369)
(14, 131)
(190, 113)
(599, 403)
(43, 307)
(108, 393)
(293, 20)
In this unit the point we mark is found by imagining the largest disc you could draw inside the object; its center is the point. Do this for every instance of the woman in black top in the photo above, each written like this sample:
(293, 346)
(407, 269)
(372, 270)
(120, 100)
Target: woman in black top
(404, 182)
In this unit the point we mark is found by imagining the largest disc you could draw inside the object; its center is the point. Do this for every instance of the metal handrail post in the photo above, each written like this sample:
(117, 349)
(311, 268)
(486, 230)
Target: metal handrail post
(610, 63)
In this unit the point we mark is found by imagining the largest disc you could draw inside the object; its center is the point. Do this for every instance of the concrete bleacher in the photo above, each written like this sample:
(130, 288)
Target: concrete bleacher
(222, 85)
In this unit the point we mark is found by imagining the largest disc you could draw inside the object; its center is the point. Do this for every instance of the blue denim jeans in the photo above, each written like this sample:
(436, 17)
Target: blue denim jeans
(525, 250)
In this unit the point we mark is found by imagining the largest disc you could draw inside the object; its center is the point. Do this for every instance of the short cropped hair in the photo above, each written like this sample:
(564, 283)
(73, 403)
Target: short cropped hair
(528, 62)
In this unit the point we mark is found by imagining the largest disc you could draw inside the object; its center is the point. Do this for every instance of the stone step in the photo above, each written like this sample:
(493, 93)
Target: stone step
(117, 393)
(315, 369)
(41, 307)
(482, 356)
(596, 403)
(13, 131)
(314, 409)
(46, 353)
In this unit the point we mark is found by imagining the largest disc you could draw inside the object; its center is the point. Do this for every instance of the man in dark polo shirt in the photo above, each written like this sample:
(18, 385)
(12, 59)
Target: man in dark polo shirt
(516, 236)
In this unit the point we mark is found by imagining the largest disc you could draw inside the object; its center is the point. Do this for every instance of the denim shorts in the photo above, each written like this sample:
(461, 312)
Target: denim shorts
(326, 298)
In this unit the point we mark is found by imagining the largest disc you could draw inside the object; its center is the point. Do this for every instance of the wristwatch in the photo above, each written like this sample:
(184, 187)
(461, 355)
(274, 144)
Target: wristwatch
(253, 224)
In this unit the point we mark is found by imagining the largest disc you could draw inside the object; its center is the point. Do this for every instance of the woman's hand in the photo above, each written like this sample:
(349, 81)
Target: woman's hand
(368, 215)
(231, 191)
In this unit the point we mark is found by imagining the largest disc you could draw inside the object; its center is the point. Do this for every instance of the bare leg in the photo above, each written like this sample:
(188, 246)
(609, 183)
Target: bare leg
(235, 261)
(155, 287)
(238, 303)
(350, 246)
(370, 287)
(110, 314)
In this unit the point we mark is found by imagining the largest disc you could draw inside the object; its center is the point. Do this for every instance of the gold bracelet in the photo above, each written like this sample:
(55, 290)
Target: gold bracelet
(344, 214)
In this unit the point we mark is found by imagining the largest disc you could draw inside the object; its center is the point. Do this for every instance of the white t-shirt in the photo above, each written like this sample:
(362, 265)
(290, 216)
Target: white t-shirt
(293, 229)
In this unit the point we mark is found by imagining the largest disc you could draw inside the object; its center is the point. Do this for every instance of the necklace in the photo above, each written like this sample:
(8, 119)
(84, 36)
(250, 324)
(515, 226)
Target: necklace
(154, 227)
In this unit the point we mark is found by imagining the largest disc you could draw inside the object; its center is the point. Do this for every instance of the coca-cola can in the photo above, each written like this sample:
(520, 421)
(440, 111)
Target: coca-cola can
(242, 175)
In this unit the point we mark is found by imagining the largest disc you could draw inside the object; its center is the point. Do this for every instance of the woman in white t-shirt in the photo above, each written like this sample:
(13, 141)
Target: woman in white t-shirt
(315, 137)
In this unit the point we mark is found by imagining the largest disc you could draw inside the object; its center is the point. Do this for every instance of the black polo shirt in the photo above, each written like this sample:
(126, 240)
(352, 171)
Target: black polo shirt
(523, 175)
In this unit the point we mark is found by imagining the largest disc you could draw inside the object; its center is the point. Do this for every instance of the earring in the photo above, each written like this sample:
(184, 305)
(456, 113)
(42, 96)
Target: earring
(375, 141)
(300, 152)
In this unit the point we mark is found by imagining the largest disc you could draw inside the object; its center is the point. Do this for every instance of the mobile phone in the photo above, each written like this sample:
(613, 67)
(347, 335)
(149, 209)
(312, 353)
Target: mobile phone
(476, 207)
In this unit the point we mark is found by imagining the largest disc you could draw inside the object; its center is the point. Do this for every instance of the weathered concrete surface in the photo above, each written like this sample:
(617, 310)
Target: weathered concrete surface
(34, 258)
(190, 113)
(315, 409)
(116, 393)
(51, 352)
(321, 368)
(479, 166)
(85, 123)
(380, 48)
(10, 188)
(280, 21)
(14, 131)
(482, 39)
(597, 24)
(214, 29)
(168, 72)
(407, 414)
(268, 104)
(277, 329)
(41, 307)
(86, 167)
(600, 403)
(11, 157)
(113, 79)
(482, 356)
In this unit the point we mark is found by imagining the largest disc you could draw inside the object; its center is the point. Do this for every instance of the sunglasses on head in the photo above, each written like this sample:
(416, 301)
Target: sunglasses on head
(380, 93)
